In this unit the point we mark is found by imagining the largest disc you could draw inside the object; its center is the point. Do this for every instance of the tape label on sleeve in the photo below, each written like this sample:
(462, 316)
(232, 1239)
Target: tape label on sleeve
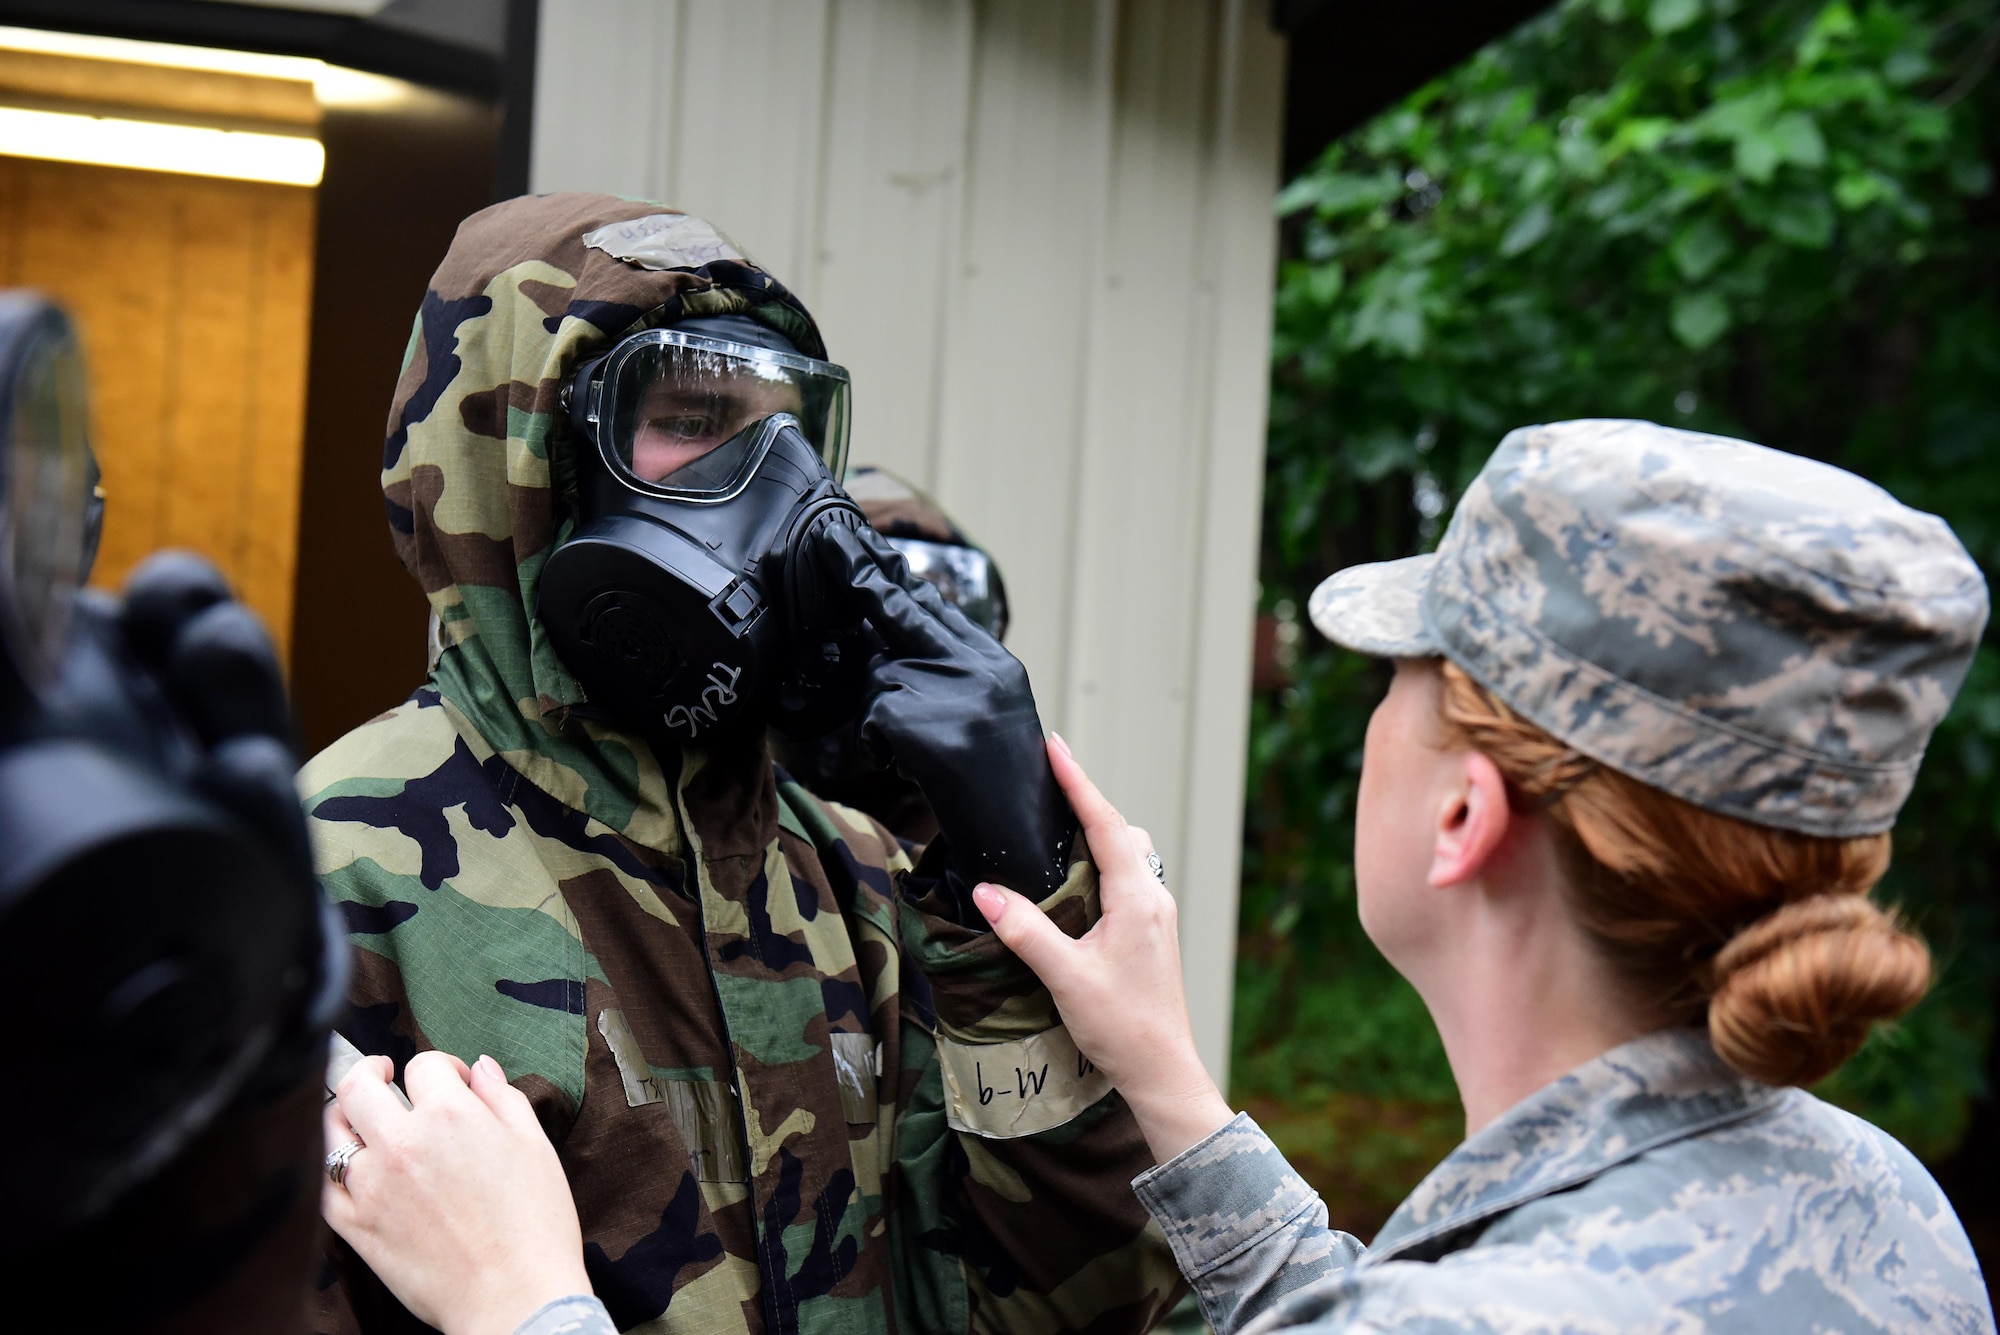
(857, 1063)
(1004, 1090)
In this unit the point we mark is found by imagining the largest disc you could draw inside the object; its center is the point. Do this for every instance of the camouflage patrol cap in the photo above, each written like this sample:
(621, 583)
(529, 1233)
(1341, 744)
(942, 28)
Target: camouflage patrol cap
(1761, 635)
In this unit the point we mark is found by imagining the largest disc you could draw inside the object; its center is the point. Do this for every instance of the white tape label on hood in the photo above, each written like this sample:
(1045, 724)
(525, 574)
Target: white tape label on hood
(663, 241)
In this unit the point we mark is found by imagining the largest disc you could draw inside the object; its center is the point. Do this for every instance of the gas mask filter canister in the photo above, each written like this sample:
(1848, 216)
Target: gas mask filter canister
(685, 601)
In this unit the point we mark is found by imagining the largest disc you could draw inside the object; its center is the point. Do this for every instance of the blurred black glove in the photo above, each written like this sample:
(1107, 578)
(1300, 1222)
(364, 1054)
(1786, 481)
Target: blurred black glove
(953, 711)
(213, 663)
(217, 665)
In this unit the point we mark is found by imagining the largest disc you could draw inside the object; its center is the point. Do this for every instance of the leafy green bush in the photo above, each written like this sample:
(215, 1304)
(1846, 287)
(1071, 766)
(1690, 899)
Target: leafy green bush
(1769, 220)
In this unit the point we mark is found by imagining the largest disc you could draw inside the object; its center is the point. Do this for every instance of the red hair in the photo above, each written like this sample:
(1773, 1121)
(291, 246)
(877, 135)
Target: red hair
(1768, 933)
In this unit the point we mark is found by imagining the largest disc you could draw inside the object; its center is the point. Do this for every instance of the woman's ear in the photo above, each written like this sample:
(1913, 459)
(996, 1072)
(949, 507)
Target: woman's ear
(1472, 823)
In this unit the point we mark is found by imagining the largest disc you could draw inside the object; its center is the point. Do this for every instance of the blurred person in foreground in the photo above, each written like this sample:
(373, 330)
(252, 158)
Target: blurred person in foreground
(794, 1083)
(1658, 699)
(159, 1143)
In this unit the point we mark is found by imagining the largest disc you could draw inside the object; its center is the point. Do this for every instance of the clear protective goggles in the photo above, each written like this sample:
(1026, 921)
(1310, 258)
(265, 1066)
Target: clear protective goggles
(965, 577)
(672, 411)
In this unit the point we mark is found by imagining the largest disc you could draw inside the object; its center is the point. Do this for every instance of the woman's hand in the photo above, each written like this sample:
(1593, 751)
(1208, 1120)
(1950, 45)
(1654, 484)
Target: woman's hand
(1119, 985)
(458, 1203)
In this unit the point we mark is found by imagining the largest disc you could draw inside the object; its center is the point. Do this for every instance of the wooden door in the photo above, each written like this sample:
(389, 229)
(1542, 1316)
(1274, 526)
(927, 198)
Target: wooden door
(193, 300)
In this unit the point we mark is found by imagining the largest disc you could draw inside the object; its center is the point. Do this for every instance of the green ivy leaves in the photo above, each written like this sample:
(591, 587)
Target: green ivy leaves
(1768, 219)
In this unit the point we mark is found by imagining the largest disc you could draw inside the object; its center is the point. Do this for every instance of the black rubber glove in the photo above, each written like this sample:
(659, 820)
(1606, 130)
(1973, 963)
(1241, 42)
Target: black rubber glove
(952, 710)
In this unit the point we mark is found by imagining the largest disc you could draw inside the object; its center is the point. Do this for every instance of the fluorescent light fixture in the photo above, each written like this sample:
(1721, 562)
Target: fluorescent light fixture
(357, 8)
(334, 85)
(191, 150)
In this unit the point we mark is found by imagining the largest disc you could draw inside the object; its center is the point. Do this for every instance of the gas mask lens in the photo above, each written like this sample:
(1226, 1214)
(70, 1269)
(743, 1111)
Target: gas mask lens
(678, 406)
(50, 479)
(965, 577)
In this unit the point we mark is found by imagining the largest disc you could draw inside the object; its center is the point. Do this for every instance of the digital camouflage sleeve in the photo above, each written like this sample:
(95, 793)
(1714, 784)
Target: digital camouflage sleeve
(787, 1097)
(1650, 1189)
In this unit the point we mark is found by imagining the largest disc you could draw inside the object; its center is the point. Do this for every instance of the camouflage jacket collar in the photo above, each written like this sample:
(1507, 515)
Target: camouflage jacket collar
(1649, 1092)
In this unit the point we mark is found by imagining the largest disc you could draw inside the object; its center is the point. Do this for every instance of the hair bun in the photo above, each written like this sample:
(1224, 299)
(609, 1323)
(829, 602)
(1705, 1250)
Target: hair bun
(1796, 991)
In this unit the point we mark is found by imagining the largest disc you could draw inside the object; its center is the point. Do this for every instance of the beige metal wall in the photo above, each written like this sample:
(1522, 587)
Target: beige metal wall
(1039, 232)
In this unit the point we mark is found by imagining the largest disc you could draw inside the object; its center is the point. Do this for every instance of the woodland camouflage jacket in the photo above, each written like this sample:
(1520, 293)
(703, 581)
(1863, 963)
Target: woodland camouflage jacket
(789, 1096)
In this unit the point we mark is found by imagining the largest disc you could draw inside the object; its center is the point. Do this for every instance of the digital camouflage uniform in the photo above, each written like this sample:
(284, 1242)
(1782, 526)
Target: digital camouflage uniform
(751, 1042)
(1650, 1190)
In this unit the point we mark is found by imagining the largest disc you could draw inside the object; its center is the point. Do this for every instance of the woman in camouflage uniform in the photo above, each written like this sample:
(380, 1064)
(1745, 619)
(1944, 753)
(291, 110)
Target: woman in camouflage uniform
(1658, 698)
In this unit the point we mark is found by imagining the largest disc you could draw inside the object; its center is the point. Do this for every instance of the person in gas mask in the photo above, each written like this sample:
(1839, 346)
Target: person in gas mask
(159, 1145)
(835, 766)
(794, 1083)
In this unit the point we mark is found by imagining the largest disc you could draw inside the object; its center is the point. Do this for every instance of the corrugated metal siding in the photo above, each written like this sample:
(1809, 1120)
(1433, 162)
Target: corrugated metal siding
(1039, 233)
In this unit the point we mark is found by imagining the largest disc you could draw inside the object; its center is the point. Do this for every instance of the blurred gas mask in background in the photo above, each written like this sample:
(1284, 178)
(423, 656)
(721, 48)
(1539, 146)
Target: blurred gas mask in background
(685, 601)
(157, 900)
(937, 549)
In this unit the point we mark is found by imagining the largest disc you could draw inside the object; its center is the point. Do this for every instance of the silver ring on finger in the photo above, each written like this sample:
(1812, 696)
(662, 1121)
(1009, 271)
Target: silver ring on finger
(1157, 867)
(338, 1161)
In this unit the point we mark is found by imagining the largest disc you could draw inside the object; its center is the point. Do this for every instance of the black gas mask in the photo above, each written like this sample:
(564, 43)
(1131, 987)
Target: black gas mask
(156, 891)
(686, 601)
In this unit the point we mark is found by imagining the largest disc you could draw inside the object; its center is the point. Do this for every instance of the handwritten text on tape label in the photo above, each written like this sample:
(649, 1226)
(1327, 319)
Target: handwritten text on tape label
(1003, 1090)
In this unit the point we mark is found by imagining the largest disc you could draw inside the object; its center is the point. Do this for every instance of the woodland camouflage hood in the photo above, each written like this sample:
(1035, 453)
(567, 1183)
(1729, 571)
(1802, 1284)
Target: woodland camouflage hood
(476, 463)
